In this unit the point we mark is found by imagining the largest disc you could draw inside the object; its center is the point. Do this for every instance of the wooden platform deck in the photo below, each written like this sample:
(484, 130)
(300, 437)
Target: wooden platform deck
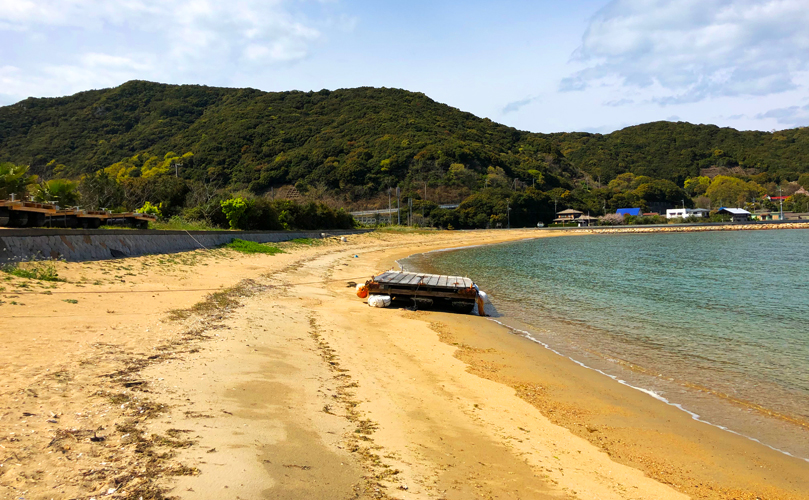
(403, 279)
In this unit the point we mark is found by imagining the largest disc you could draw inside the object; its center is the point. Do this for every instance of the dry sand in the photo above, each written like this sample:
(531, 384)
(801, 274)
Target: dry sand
(127, 382)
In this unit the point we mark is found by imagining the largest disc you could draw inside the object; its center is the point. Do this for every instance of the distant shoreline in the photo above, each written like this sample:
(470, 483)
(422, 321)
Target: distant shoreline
(686, 228)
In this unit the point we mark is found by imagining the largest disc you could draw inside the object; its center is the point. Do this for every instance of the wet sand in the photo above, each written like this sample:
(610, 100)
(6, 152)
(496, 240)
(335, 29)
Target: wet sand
(288, 386)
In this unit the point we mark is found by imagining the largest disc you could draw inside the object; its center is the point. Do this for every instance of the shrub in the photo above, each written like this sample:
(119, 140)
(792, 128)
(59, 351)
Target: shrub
(611, 220)
(235, 210)
(43, 271)
(150, 209)
(251, 247)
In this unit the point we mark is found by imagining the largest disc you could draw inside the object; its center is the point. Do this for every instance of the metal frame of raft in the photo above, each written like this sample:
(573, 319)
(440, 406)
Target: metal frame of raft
(17, 213)
(425, 289)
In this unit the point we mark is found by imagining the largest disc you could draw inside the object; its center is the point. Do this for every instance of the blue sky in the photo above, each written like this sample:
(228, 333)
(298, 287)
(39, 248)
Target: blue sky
(577, 65)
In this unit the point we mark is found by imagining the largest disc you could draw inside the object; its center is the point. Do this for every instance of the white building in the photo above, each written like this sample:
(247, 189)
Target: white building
(674, 213)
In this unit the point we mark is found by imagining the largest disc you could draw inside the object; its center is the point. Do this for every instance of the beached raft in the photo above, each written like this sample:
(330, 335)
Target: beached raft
(424, 290)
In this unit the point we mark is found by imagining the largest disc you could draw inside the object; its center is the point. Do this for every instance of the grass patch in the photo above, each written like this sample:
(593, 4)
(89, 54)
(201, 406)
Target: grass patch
(180, 224)
(218, 302)
(303, 241)
(251, 247)
(43, 271)
(405, 229)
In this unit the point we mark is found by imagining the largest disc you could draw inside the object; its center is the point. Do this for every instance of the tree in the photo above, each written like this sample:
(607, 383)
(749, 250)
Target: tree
(150, 209)
(14, 179)
(696, 186)
(100, 191)
(62, 192)
(611, 220)
(725, 190)
(663, 191)
(235, 210)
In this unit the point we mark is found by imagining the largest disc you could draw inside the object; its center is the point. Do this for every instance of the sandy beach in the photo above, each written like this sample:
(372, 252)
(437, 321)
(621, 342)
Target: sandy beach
(213, 374)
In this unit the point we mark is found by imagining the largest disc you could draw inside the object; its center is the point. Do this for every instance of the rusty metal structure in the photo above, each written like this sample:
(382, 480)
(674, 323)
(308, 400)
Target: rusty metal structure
(18, 213)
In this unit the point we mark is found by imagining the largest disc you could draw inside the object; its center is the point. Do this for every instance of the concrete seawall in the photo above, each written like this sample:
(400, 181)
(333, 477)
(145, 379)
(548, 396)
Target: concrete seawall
(81, 245)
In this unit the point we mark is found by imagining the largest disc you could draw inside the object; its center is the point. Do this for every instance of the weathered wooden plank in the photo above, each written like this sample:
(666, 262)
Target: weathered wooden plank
(442, 280)
(432, 280)
(399, 278)
(384, 277)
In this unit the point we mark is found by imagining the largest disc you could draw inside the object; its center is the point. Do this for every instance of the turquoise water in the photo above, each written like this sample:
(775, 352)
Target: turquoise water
(716, 323)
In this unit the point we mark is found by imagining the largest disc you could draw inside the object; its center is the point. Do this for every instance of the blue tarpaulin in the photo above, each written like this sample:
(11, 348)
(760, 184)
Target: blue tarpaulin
(629, 211)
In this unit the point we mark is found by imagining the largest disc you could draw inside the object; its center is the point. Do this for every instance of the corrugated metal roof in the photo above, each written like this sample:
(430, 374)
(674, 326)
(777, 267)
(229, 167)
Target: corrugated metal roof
(735, 211)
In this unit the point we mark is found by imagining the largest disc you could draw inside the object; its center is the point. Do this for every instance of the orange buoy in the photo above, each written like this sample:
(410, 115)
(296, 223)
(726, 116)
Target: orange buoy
(362, 291)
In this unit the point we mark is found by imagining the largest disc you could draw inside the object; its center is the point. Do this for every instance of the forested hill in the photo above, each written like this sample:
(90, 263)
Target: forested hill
(356, 141)
(676, 151)
(359, 140)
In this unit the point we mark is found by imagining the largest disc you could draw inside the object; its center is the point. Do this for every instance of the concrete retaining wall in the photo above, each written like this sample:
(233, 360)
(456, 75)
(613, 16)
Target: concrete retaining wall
(81, 245)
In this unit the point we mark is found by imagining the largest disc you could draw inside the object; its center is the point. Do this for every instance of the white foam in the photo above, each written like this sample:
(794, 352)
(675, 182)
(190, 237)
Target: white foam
(648, 392)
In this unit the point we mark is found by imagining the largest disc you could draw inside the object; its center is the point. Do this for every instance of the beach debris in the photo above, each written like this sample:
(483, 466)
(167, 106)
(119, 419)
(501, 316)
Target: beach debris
(379, 300)
(343, 239)
(294, 466)
(362, 291)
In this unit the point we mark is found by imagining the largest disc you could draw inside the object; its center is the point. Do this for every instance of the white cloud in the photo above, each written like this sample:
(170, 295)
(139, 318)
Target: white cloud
(792, 115)
(619, 102)
(93, 43)
(515, 106)
(685, 51)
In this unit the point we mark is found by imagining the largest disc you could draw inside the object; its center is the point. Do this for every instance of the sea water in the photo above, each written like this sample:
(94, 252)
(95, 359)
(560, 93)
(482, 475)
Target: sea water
(715, 323)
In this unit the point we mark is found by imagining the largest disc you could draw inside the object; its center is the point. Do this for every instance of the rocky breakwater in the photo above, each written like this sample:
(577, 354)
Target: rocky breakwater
(688, 228)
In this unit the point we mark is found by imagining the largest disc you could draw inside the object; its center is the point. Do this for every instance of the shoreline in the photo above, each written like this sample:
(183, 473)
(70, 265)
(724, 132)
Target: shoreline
(682, 406)
(658, 397)
(697, 419)
(685, 228)
(291, 387)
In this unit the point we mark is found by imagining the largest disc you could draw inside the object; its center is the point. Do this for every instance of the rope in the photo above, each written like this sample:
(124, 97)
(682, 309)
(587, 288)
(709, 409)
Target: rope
(192, 237)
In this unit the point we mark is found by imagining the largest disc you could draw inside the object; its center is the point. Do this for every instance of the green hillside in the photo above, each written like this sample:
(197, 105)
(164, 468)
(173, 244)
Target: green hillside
(346, 147)
(680, 150)
(356, 140)
(360, 139)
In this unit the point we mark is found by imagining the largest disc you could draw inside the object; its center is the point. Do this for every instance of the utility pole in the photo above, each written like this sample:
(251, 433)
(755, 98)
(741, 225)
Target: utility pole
(398, 208)
(177, 169)
(390, 217)
(410, 211)
(508, 212)
(423, 202)
(781, 196)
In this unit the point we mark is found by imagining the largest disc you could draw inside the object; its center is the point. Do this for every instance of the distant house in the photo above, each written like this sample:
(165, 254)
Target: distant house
(737, 214)
(586, 220)
(674, 213)
(568, 215)
(629, 211)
